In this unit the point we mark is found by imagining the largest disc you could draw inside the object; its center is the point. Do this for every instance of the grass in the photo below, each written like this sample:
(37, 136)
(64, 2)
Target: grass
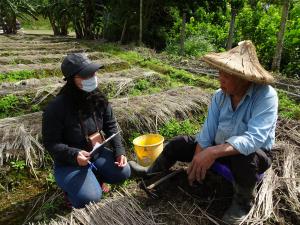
(40, 24)
(186, 127)
(288, 108)
(15, 76)
(12, 105)
(174, 127)
(136, 59)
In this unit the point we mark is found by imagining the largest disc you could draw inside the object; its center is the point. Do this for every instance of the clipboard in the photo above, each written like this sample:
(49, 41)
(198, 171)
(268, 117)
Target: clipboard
(97, 146)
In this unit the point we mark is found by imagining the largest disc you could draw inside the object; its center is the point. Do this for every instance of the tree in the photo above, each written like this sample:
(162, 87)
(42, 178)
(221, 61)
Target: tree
(85, 15)
(236, 6)
(10, 10)
(141, 23)
(280, 36)
(56, 11)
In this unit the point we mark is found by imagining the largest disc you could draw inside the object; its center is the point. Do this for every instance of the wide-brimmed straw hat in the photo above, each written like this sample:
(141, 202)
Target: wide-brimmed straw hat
(242, 62)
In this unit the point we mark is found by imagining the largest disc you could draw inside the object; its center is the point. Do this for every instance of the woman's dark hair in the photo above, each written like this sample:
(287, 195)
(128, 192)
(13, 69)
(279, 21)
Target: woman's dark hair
(84, 101)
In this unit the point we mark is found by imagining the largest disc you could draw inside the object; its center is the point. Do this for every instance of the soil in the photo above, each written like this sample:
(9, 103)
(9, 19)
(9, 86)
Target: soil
(176, 202)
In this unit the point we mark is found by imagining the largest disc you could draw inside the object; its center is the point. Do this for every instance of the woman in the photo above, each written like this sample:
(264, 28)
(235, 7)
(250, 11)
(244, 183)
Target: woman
(79, 111)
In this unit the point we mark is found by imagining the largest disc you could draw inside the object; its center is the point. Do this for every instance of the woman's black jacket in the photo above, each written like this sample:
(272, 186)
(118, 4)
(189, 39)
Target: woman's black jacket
(63, 136)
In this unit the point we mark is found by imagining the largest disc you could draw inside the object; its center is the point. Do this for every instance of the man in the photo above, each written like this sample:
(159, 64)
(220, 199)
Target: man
(239, 130)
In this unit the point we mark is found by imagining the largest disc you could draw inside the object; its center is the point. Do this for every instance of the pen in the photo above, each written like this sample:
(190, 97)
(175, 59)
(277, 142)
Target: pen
(90, 163)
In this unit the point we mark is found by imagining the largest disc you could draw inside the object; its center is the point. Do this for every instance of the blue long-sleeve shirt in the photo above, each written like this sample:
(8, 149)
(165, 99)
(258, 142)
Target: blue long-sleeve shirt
(249, 128)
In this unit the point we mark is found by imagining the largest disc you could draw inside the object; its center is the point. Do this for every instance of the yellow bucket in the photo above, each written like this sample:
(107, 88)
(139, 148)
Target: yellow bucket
(147, 148)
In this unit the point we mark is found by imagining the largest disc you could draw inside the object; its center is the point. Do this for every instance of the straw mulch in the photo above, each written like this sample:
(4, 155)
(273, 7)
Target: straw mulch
(45, 58)
(40, 46)
(106, 62)
(26, 85)
(147, 113)
(276, 202)
(42, 52)
(32, 85)
(122, 208)
(5, 45)
(113, 84)
(21, 135)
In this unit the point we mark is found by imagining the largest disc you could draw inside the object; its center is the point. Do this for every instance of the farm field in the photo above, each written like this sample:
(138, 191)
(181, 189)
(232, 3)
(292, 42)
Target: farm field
(150, 92)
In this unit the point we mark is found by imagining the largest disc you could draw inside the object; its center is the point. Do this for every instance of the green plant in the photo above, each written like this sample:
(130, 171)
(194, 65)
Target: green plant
(174, 128)
(50, 178)
(7, 105)
(35, 108)
(142, 84)
(18, 164)
(12, 105)
(134, 134)
(16, 76)
(288, 108)
(39, 24)
(195, 45)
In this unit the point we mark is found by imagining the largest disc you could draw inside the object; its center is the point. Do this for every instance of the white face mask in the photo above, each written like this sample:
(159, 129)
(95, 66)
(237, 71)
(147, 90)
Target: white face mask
(90, 84)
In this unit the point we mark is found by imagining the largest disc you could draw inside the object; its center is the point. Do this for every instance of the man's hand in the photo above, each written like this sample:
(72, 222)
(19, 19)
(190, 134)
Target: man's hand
(83, 157)
(121, 161)
(202, 161)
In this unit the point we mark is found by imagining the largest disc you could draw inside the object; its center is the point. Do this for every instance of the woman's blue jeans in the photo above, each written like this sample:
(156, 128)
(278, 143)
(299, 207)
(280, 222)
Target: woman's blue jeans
(81, 183)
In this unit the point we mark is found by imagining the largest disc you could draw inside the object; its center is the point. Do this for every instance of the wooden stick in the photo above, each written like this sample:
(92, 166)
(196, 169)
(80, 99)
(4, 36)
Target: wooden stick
(164, 179)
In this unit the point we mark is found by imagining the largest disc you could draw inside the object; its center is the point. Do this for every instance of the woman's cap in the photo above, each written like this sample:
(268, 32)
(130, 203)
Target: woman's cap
(242, 62)
(78, 63)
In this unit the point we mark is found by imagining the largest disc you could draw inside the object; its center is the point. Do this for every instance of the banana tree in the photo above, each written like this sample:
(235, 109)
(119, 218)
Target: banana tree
(10, 10)
(56, 12)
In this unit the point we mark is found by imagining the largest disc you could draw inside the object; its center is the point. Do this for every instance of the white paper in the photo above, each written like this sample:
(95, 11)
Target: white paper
(96, 146)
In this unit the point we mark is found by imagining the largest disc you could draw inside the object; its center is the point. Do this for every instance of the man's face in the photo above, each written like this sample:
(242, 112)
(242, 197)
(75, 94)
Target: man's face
(232, 85)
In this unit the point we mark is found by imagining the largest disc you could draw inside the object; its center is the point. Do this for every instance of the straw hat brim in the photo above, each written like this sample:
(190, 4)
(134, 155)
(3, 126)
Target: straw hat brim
(242, 62)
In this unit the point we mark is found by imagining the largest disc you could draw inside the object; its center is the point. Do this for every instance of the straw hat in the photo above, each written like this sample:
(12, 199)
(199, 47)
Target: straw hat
(242, 62)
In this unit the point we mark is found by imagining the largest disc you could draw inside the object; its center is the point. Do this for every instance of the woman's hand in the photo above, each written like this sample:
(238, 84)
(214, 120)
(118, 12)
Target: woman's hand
(83, 157)
(121, 161)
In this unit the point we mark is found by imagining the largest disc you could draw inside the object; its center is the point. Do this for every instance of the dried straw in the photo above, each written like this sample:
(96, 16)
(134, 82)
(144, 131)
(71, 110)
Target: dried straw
(48, 57)
(118, 83)
(121, 209)
(263, 207)
(106, 62)
(146, 113)
(275, 189)
(21, 135)
(20, 139)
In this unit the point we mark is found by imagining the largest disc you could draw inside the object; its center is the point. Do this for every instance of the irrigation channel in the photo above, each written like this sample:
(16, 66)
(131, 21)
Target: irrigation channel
(145, 96)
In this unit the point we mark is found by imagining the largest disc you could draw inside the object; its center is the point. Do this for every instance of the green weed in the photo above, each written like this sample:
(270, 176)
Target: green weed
(174, 128)
(32, 24)
(13, 105)
(7, 105)
(288, 108)
(22, 75)
(134, 135)
(50, 180)
(125, 184)
(18, 164)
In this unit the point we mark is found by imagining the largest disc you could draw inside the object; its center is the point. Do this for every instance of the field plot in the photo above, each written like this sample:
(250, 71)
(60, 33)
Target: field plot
(147, 96)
